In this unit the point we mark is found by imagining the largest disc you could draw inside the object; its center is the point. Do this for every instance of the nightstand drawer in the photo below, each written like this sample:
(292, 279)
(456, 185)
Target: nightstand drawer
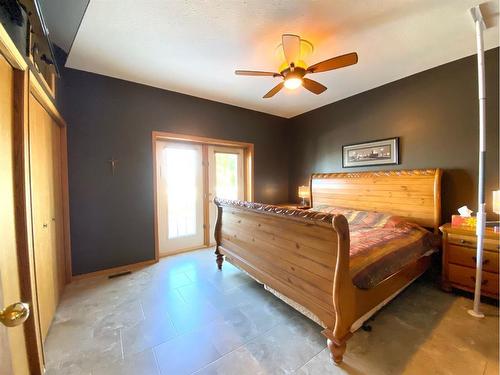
(466, 256)
(470, 241)
(466, 277)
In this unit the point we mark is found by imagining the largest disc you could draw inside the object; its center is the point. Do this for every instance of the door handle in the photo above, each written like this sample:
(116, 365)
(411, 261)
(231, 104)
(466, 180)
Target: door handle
(15, 314)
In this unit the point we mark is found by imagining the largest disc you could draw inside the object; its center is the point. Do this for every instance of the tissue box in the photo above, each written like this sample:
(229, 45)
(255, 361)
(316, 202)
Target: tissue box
(460, 221)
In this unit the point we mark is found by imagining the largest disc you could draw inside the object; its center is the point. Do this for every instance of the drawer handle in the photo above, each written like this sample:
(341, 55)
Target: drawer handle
(483, 282)
(464, 242)
(486, 261)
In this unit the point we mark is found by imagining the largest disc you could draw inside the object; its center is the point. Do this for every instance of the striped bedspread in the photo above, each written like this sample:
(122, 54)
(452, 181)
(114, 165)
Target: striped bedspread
(381, 244)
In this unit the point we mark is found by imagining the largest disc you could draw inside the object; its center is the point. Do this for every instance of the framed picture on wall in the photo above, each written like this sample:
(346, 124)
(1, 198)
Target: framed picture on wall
(381, 152)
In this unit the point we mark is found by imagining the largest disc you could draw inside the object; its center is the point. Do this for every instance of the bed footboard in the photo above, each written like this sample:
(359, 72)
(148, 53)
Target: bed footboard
(302, 255)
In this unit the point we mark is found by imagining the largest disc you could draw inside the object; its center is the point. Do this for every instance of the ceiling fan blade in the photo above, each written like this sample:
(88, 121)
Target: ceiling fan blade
(291, 48)
(334, 63)
(313, 86)
(255, 73)
(274, 90)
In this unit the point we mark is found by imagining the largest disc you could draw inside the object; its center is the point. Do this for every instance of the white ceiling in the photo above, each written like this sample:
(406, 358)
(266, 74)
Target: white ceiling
(193, 47)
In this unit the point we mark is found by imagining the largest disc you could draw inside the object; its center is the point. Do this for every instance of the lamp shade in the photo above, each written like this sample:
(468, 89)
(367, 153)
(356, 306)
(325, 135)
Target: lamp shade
(304, 191)
(496, 201)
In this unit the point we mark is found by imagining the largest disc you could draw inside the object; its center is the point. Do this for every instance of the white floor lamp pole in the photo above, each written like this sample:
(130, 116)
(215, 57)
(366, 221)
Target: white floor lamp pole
(481, 213)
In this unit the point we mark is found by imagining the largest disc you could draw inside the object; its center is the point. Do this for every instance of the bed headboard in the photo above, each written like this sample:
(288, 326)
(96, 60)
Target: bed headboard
(412, 194)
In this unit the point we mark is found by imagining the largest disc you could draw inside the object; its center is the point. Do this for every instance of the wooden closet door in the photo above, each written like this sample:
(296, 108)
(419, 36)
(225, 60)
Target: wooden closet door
(13, 356)
(45, 185)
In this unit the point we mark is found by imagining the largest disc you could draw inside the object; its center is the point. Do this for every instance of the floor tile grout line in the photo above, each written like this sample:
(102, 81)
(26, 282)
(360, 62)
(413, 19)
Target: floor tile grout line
(171, 321)
(235, 349)
(181, 296)
(205, 299)
(142, 310)
(309, 361)
(223, 320)
(177, 333)
(157, 363)
(121, 344)
(190, 279)
(122, 361)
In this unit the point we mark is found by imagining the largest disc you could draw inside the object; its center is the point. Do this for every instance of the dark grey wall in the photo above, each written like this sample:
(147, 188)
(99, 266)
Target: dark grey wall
(112, 216)
(435, 114)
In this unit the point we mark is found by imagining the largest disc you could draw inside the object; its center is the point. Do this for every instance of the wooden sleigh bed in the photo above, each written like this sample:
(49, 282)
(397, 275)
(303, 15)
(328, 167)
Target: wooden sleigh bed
(304, 257)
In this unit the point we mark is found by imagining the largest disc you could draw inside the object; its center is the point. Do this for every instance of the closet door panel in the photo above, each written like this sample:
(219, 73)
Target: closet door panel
(57, 218)
(43, 206)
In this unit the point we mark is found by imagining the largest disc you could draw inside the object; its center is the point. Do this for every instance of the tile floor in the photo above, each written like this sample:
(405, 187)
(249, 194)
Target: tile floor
(182, 316)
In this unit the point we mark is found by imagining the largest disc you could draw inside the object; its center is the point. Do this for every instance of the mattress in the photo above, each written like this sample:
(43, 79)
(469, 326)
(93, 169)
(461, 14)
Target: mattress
(382, 244)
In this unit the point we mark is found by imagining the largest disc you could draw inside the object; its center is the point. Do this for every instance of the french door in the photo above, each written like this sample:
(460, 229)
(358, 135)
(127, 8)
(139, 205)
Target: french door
(189, 175)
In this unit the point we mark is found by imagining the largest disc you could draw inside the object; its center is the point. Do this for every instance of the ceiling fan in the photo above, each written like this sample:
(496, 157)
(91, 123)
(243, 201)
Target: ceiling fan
(294, 69)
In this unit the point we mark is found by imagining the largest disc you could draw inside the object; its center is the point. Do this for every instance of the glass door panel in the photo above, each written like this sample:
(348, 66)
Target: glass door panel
(225, 177)
(180, 197)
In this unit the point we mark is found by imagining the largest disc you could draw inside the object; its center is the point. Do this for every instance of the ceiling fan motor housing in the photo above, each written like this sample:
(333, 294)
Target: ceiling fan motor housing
(295, 73)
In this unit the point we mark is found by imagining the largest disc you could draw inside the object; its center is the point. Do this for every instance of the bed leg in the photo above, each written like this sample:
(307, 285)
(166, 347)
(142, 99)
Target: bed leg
(337, 347)
(219, 260)
(336, 350)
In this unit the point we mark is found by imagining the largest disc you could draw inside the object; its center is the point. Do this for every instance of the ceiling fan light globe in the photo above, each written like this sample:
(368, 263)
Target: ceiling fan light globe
(293, 83)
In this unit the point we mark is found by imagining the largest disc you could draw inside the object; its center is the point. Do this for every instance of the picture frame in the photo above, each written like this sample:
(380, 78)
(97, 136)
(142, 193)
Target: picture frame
(378, 152)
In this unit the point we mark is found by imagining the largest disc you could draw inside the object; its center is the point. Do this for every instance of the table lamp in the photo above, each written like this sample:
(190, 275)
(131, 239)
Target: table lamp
(303, 193)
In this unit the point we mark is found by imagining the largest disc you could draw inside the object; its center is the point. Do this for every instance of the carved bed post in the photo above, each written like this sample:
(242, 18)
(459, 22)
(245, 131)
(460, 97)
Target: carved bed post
(217, 234)
(343, 294)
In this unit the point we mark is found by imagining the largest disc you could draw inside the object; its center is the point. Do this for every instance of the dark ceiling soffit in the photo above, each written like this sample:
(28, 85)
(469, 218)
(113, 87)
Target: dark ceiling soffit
(78, 28)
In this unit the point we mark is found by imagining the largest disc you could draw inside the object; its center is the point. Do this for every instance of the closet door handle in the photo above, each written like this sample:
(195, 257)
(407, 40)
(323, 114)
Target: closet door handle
(15, 314)
(53, 219)
(45, 225)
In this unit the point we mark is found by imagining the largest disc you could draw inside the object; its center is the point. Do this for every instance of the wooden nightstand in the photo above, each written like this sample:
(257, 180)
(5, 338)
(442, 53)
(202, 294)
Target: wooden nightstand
(459, 260)
(293, 206)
